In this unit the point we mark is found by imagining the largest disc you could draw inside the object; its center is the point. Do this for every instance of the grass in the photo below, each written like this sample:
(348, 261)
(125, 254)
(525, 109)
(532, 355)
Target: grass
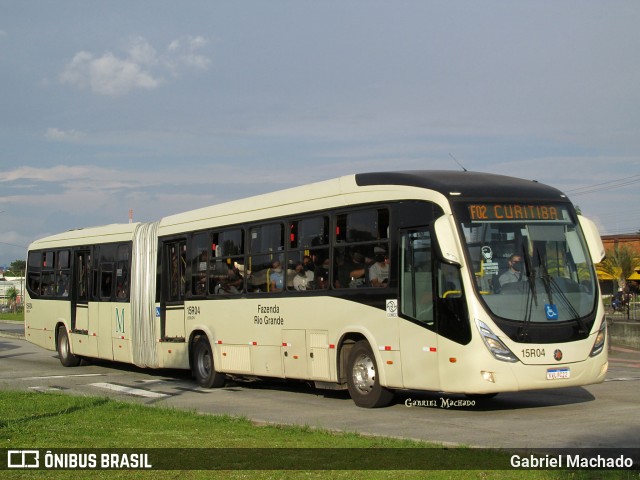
(30, 420)
(13, 317)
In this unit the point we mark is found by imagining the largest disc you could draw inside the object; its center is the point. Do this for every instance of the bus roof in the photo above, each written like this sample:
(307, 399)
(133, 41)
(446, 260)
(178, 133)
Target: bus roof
(118, 232)
(463, 183)
(457, 184)
(317, 196)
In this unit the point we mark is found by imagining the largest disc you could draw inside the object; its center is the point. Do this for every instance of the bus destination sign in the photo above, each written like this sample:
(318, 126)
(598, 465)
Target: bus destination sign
(510, 211)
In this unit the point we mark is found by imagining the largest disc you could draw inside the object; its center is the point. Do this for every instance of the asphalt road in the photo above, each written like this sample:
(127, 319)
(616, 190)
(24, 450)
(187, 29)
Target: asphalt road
(598, 416)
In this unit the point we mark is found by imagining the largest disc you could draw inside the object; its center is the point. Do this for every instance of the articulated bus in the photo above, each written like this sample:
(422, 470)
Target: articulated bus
(458, 282)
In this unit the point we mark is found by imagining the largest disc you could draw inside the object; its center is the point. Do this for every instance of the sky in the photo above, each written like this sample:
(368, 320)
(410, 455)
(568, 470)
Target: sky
(165, 106)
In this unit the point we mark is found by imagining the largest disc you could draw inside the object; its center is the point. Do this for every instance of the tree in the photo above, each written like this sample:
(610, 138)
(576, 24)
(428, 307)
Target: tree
(620, 262)
(12, 297)
(17, 267)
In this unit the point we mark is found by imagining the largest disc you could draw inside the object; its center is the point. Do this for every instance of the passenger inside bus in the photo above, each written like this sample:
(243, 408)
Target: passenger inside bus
(351, 274)
(514, 271)
(379, 271)
(321, 275)
(276, 277)
(230, 282)
(303, 278)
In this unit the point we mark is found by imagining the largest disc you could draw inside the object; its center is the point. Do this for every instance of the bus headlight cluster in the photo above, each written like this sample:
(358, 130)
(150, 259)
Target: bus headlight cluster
(497, 348)
(601, 336)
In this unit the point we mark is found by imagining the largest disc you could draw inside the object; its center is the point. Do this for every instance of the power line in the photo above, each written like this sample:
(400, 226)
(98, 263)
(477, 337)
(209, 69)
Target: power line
(621, 182)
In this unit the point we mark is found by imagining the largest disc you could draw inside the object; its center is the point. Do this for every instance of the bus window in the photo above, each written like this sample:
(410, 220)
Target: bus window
(308, 243)
(34, 263)
(63, 281)
(47, 284)
(177, 262)
(62, 260)
(199, 258)
(309, 232)
(106, 281)
(82, 275)
(47, 259)
(122, 271)
(363, 236)
(227, 262)
(416, 298)
(451, 306)
(33, 282)
(266, 260)
(229, 243)
(363, 225)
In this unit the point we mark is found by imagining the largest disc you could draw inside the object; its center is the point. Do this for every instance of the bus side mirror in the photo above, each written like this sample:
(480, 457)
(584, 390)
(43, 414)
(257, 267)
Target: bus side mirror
(447, 240)
(592, 236)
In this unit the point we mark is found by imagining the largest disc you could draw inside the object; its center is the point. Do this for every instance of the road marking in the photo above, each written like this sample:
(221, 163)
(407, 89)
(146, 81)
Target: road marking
(47, 389)
(128, 390)
(199, 389)
(65, 376)
(622, 379)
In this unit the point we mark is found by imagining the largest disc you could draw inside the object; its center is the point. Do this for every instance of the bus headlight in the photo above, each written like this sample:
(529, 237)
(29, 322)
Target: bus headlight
(601, 336)
(498, 349)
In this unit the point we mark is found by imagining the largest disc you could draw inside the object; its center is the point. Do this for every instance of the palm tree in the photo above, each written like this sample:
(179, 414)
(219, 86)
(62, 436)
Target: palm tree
(12, 297)
(620, 263)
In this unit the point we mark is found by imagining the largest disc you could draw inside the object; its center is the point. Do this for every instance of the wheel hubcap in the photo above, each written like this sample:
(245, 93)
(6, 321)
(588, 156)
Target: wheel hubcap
(64, 347)
(205, 364)
(364, 374)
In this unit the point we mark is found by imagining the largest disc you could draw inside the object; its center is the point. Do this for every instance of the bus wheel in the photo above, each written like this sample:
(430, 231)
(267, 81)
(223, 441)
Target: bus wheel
(67, 358)
(203, 370)
(362, 379)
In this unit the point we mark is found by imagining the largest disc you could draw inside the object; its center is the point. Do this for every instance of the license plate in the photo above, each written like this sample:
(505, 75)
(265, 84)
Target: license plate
(558, 373)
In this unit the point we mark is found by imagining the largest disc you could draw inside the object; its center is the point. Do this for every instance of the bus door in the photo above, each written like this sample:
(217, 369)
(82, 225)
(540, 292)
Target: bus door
(418, 339)
(80, 292)
(174, 277)
(81, 336)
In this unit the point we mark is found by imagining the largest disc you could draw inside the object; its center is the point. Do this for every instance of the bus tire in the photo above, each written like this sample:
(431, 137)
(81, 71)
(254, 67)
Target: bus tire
(67, 358)
(203, 368)
(362, 378)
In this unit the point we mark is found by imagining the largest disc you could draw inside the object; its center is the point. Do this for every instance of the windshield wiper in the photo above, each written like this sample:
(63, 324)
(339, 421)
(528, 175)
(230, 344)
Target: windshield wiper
(532, 295)
(550, 285)
(530, 274)
(546, 278)
(568, 305)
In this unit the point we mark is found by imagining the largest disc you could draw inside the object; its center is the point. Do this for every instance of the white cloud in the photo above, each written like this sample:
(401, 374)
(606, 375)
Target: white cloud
(141, 67)
(142, 52)
(57, 135)
(52, 174)
(91, 178)
(108, 74)
(183, 52)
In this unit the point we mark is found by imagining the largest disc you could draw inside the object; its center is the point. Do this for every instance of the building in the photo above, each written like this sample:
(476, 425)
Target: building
(632, 240)
(6, 284)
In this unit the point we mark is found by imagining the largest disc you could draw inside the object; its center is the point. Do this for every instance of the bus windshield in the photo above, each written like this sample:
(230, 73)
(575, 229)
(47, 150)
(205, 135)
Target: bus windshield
(530, 261)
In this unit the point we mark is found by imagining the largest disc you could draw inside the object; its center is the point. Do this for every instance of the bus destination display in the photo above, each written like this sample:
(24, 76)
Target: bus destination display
(509, 211)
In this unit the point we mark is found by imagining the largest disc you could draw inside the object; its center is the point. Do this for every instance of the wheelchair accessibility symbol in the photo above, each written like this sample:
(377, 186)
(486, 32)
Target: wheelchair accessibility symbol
(551, 311)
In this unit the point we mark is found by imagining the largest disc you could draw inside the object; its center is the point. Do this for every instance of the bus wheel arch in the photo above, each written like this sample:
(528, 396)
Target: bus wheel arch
(201, 362)
(358, 367)
(63, 346)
